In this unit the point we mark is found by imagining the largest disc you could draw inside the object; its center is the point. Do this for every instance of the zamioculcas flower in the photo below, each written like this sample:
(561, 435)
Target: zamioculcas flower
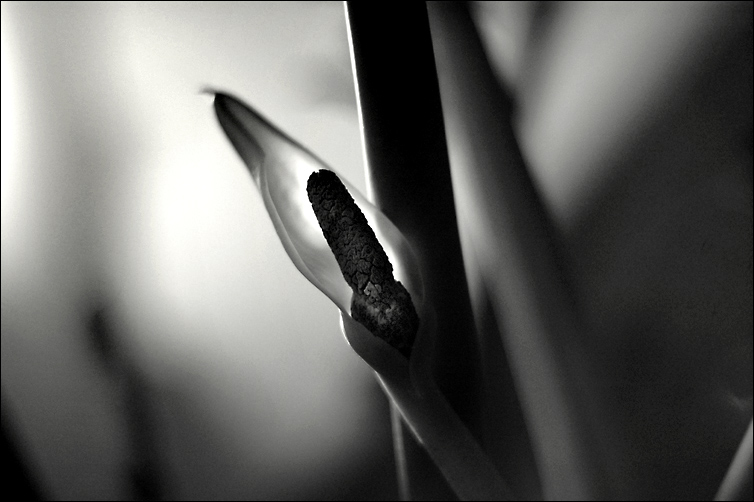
(322, 220)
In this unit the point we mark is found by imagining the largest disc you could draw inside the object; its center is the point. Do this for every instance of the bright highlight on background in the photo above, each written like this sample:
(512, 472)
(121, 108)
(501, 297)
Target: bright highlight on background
(128, 200)
(11, 123)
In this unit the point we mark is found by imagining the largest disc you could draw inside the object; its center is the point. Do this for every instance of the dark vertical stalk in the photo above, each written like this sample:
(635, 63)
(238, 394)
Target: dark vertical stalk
(409, 174)
(409, 177)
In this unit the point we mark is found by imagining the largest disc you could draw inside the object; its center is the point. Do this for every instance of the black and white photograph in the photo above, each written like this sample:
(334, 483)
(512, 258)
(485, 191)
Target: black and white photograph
(318, 250)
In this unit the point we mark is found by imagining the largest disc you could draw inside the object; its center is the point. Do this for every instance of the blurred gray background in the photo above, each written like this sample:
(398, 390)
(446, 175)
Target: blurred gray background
(158, 343)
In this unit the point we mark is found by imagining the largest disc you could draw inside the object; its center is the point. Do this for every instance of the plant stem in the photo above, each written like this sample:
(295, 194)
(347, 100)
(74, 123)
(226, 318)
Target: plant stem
(408, 177)
(401, 469)
(518, 261)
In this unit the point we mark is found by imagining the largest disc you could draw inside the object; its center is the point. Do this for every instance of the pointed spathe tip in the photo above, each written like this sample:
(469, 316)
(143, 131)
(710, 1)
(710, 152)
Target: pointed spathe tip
(218, 96)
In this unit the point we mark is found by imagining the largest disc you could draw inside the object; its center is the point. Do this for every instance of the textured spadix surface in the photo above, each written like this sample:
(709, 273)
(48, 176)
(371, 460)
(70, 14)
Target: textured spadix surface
(379, 302)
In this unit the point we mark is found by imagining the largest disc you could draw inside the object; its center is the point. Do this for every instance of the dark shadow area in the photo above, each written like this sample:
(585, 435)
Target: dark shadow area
(17, 478)
(663, 266)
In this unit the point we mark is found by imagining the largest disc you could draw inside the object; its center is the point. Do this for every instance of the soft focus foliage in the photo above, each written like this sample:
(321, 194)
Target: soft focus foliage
(142, 282)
